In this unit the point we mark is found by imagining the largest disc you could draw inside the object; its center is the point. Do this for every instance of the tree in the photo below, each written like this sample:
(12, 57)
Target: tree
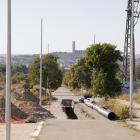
(19, 68)
(137, 74)
(83, 74)
(103, 57)
(72, 79)
(50, 69)
(3, 68)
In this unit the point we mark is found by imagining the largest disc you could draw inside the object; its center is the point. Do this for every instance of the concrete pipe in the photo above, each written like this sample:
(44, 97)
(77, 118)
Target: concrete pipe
(107, 114)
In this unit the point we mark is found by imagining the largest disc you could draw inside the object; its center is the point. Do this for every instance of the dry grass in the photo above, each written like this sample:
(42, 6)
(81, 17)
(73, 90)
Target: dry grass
(136, 97)
(2, 85)
(87, 95)
(36, 87)
(77, 92)
(18, 85)
(121, 111)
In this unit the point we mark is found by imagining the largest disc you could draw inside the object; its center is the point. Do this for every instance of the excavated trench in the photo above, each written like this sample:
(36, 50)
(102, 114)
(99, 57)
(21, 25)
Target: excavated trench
(75, 112)
(68, 110)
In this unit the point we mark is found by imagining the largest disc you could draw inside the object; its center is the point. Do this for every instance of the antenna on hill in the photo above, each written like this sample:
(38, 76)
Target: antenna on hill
(94, 39)
(48, 48)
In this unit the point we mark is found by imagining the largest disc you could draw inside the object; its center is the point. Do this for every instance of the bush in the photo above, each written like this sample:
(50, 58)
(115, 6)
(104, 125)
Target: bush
(87, 95)
(32, 120)
(124, 112)
(31, 85)
(13, 80)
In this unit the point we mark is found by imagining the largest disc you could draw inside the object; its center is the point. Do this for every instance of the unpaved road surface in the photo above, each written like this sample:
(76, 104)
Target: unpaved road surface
(99, 128)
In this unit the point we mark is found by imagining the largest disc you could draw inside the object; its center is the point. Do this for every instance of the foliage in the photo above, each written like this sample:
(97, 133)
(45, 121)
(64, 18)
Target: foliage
(22, 77)
(50, 69)
(2, 77)
(3, 68)
(13, 80)
(83, 74)
(104, 59)
(78, 76)
(124, 112)
(18, 68)
(121, 111)
(137, 74)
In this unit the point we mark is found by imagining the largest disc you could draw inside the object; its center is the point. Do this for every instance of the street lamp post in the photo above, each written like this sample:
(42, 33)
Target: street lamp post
(41, 68)
(8, 74)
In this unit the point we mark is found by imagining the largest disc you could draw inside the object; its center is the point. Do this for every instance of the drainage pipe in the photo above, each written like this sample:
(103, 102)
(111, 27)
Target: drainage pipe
(81, 98)
(87, 100)
(107, 114)
(89, 104)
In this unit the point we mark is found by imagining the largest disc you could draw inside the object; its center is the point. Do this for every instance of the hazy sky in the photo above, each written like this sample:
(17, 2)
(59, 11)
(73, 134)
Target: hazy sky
(64, 21)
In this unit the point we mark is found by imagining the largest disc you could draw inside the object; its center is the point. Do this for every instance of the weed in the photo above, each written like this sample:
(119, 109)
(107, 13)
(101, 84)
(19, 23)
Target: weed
(112, 104)
(87, 95)
(136, 97)
(32, 119)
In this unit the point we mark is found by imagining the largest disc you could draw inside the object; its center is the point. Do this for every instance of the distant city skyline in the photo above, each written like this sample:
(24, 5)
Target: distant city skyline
(64, 22)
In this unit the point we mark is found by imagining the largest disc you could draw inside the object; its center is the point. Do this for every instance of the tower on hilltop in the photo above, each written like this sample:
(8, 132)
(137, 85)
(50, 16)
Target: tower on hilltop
(73, 47)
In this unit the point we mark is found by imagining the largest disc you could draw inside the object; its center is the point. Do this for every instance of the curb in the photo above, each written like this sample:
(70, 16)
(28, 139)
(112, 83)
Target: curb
(37, 131)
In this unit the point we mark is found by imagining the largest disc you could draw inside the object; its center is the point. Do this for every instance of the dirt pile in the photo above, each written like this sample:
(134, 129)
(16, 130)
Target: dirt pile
(15, 112)
(26, 94)
(24, 104)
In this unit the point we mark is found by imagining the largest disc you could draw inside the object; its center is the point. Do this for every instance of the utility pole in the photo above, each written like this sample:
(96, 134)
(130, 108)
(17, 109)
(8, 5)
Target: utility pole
(8, 74)
(47, 76)
(131, 62)
(41, 68)
(129, 50)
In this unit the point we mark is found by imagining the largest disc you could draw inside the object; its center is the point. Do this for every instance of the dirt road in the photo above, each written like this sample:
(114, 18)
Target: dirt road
(99, 128)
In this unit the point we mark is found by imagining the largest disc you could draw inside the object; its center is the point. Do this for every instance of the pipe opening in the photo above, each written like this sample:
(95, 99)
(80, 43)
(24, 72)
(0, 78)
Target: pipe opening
(111, 116)
(68, 110)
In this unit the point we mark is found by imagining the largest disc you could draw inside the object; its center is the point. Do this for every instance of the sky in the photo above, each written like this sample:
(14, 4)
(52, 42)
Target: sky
(64, 21)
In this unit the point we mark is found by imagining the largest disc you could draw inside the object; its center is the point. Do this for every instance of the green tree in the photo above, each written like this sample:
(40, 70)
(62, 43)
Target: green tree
(50, 69)
(137, 74)
(72, 79)
(3, 68)
(19, 68)
(83, 74)
(103, 57)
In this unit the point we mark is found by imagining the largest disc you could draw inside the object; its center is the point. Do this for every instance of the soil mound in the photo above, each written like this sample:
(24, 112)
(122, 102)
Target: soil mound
(16, 112)
(26, 94)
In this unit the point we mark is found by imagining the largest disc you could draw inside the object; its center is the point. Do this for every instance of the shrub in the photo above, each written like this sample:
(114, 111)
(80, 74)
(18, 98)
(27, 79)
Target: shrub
(87, 95)
(32, 120)
(13, 80)
(31, 85)
(124, 112)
